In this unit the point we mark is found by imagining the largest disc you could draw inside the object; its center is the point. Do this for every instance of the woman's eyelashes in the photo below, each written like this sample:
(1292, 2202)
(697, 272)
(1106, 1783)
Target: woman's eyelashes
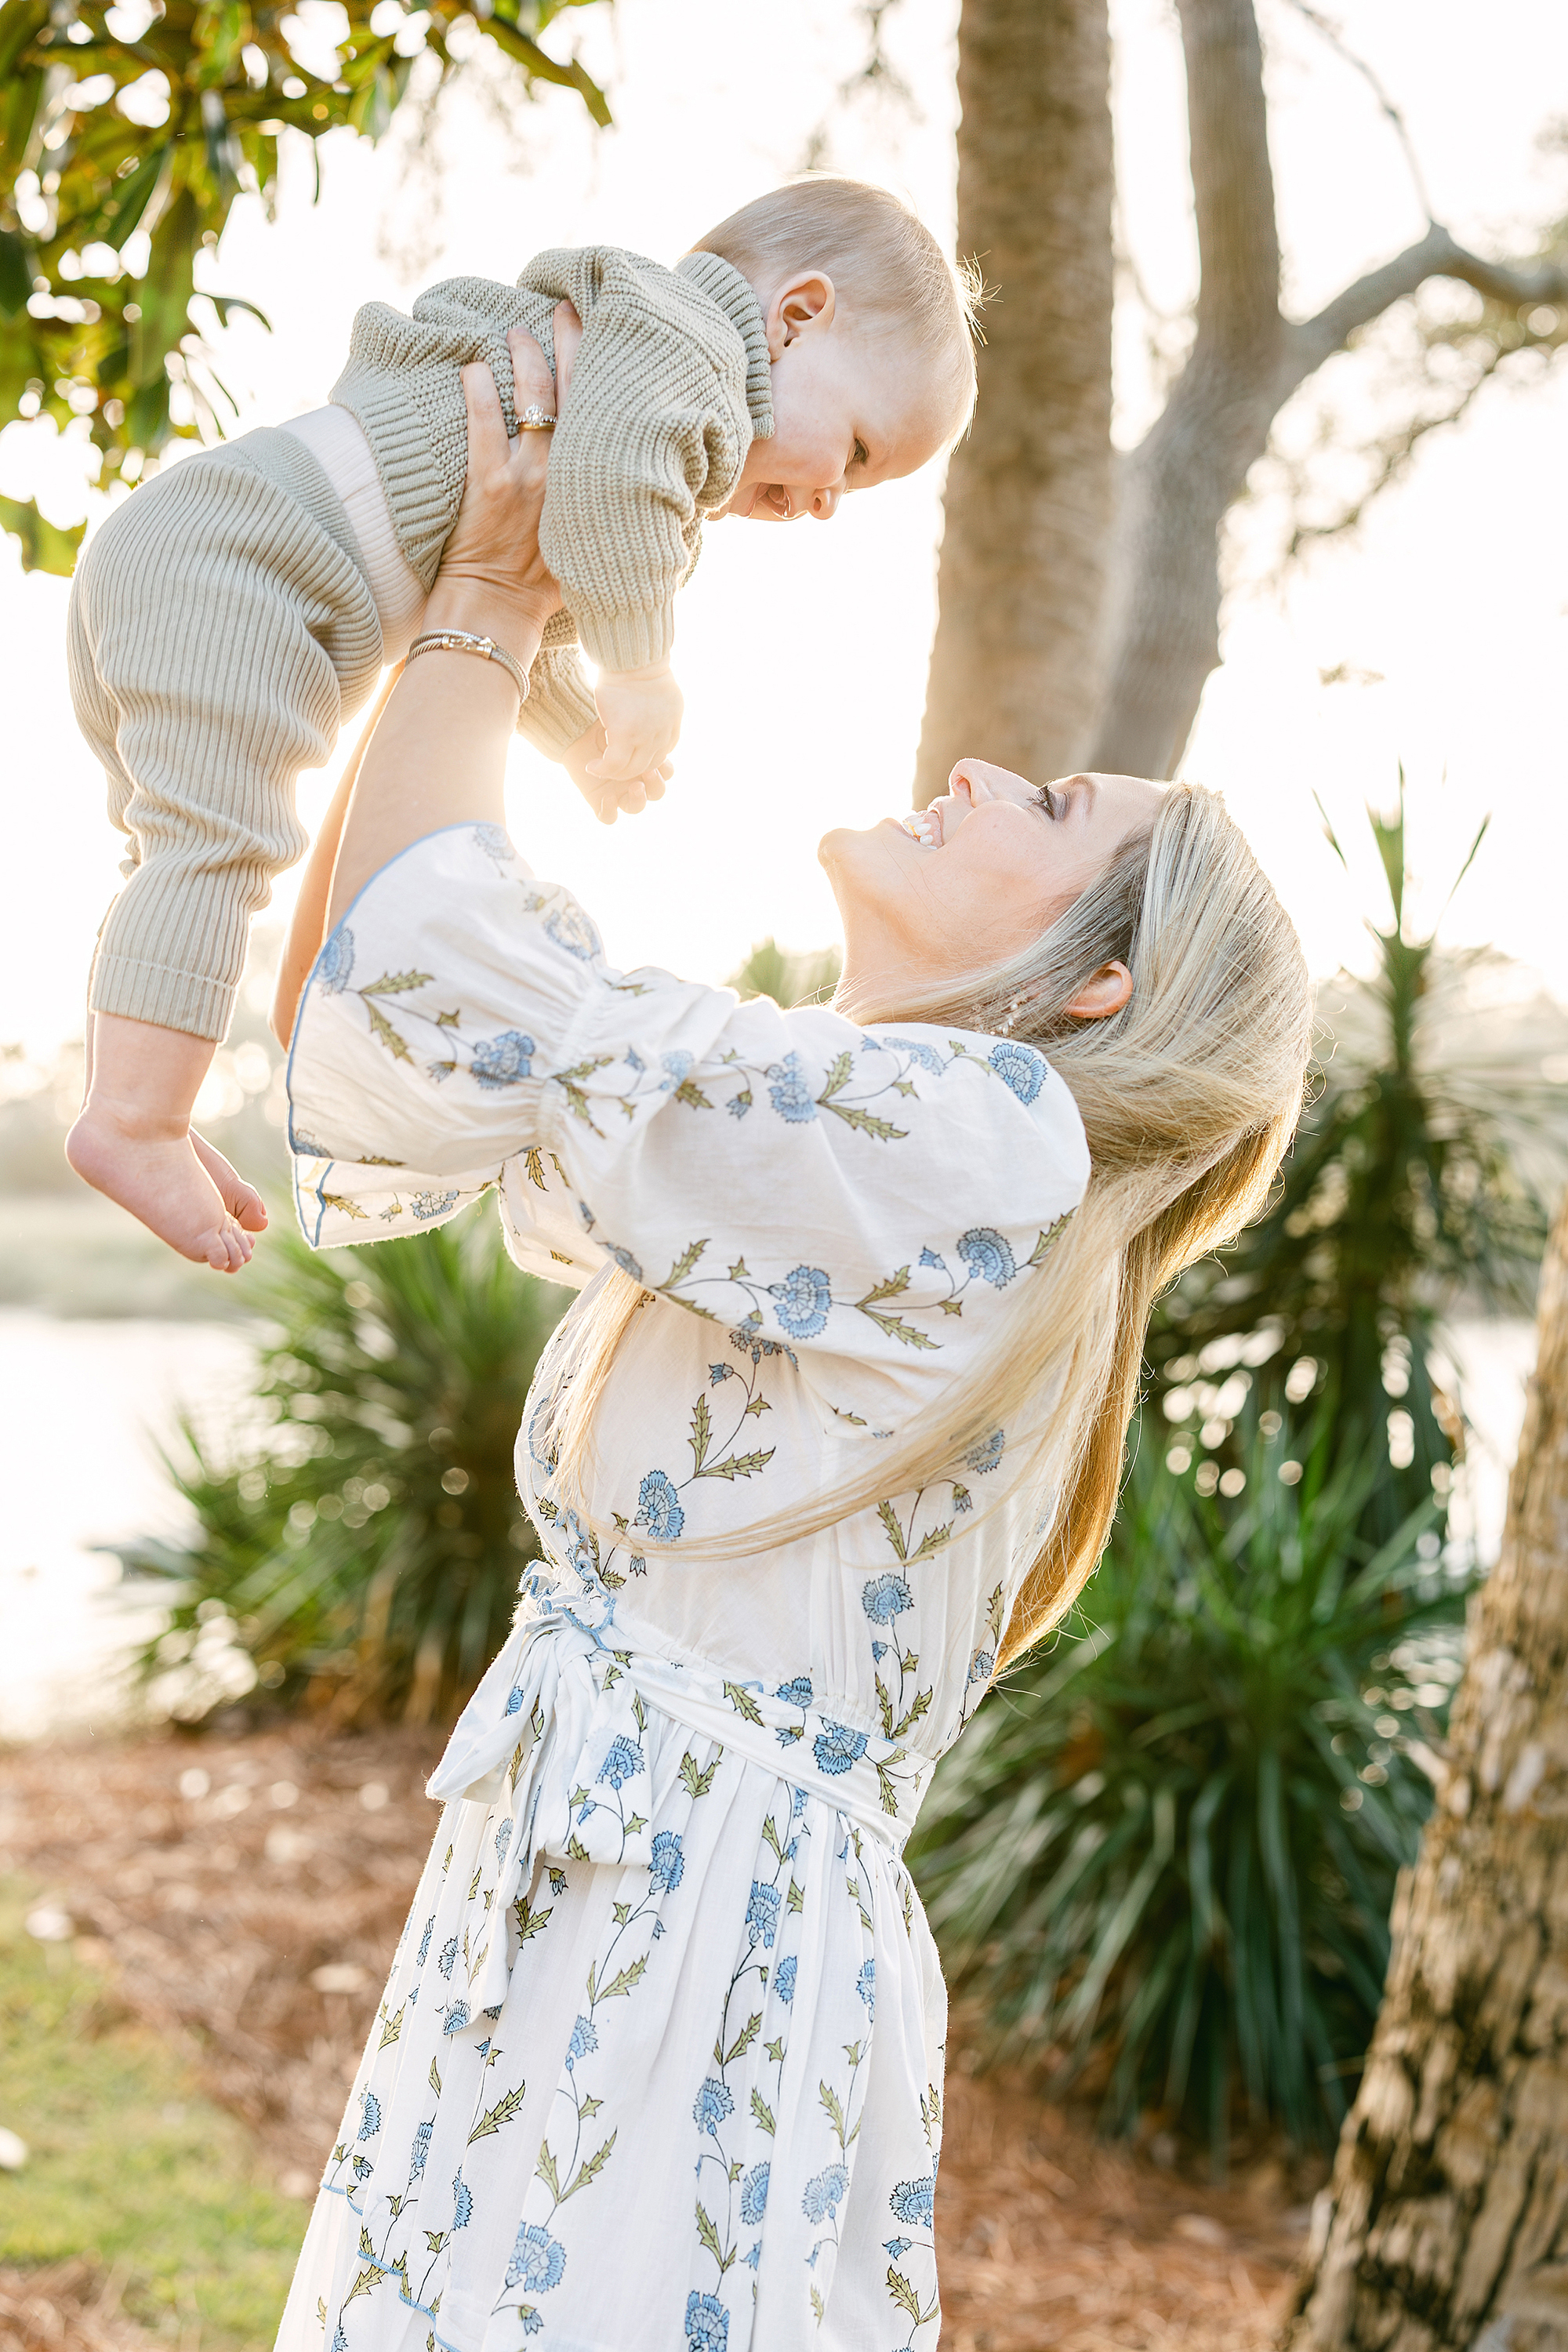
(1046, 800)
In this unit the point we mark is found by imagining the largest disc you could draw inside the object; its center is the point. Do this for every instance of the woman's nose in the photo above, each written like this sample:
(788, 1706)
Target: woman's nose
(824, 503)
(968, 775)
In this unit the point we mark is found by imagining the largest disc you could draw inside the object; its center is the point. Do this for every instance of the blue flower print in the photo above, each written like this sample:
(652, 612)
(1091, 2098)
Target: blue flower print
(931, 1257)
(986, 1455)
(635, 1060)
(739, 1105)
(804, 1299)
(514, 1699)
(837, 1747)
(584, 2038)
(796, 1692)
(503, 1838)
(763, 1915)
(718, 1373)
(676, 1068)
(658, 1510)
(1020, 1068)
(707, 2323)
(622, 1761)
(537, 2259)
(504, 1061)
(962, 1500)
(425, 1940)
(626, 1260)
(912, 2202)
(421, 2150)
(453, 2020)
(448, 1955)
(462, 2203)
(866, 1986)
(878, 1651)
(925, 1056)
(668, 1866)
(897, 2246)
(369, 2121)
(754, 2195)
(336, 962)
(887, 1597)
(824, 2193)
(714, 2103)
(362, 2168)
(784, 1979)
(985, 1252)
(570, 928)
(494, 840)
(982, 1665)
(789, 1090)
(340, 2339)
(796, 1803)
(426, 1205)
(307, 1147)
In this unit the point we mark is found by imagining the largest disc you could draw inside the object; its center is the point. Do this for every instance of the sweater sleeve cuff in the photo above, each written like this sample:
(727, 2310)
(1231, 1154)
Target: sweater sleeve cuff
(559, 707)
(164, 995)
(627, 640)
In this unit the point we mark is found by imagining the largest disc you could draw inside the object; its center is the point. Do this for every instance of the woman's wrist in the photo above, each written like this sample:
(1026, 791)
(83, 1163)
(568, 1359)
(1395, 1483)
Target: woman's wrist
(482, 609)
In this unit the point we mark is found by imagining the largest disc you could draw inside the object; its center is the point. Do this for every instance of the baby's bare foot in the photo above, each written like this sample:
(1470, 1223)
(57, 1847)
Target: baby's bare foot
(179, 1187)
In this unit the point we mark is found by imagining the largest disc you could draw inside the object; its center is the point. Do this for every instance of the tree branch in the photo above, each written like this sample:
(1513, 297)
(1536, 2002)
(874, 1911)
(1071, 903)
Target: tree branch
(1233, 183)
(1331, 33)
(1310, 342)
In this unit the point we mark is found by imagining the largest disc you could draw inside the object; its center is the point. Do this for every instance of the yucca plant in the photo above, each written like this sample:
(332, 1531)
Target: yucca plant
(367, 1544)
(1419, 1178)
(1161, 1860)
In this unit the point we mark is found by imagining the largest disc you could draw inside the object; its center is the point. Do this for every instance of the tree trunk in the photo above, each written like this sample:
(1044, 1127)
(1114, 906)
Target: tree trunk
(1446, 2228)
(1014, 669)
(1164, 621)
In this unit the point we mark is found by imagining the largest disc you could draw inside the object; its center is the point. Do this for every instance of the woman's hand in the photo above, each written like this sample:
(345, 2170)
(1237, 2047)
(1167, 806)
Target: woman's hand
(493, 582)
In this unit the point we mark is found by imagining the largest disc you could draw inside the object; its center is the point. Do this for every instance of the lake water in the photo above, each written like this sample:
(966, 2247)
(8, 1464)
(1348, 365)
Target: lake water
(84, 1405)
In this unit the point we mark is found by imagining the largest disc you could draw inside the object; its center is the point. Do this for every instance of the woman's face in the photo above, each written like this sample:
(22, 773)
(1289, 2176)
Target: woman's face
(1002, 861)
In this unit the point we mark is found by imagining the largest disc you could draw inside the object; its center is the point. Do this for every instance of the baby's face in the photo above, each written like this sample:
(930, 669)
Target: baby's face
(851, 410)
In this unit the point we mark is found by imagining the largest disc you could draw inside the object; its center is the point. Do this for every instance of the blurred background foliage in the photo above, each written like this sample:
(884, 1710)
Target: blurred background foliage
(126, 134)
(364, 1547)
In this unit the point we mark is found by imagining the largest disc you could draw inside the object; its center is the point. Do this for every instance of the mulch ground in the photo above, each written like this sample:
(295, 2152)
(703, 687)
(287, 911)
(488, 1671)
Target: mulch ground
(244, 1894)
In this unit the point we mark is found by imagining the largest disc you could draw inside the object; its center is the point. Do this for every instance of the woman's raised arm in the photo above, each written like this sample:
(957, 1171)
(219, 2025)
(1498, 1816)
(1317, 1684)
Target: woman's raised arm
(438, 755)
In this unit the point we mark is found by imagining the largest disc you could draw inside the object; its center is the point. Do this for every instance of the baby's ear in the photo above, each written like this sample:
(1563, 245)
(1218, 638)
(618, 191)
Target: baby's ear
(805, 301)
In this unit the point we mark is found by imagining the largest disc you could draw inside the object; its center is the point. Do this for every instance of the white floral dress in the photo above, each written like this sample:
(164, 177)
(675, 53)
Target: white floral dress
(659, 2062)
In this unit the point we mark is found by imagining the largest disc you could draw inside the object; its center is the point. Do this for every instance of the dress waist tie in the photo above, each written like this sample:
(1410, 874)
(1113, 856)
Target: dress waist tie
(555, 1739)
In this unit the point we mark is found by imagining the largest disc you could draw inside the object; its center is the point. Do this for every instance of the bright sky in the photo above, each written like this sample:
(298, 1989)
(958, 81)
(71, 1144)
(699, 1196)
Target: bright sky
(802, 653)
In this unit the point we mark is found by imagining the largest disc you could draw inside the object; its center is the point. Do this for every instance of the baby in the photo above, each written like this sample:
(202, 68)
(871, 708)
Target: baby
(231, 613)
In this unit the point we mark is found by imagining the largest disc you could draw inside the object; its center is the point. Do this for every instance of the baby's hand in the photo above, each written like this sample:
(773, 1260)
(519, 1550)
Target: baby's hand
(608, 801)
(178, 1186)
(641, 713)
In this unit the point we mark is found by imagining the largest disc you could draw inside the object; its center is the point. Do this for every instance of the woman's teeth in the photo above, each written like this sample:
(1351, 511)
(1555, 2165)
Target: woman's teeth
(922, 827)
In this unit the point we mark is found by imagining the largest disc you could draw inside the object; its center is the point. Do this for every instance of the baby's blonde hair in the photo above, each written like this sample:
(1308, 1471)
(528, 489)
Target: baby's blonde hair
(888, 270)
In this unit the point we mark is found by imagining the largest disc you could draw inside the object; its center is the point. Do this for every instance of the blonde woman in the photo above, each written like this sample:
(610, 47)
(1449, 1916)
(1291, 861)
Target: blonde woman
(834, 1432)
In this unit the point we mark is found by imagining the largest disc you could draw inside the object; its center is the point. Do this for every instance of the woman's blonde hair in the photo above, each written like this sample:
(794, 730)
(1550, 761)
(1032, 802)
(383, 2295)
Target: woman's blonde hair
(888, 270)
(1188, 1096)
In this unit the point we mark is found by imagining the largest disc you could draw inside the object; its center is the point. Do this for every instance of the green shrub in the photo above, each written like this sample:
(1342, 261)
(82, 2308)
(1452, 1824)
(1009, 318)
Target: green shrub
(365, 1546)
(1163, 1856)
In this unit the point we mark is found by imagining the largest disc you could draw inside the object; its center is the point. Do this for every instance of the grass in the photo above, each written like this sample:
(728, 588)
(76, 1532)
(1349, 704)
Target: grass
(130, 2165)
(75, 1254)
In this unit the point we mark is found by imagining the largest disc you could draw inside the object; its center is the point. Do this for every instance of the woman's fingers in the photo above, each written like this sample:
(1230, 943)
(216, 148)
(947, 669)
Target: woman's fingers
(487, 426)
(534, 386)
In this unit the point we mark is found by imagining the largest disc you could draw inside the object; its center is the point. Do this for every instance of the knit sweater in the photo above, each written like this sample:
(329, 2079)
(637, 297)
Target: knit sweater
(222, 625)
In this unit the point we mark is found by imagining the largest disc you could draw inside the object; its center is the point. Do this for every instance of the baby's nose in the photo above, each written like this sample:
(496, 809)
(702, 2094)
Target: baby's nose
(824, 503)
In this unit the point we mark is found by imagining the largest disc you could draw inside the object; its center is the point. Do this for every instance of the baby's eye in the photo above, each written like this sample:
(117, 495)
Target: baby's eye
(862, 456)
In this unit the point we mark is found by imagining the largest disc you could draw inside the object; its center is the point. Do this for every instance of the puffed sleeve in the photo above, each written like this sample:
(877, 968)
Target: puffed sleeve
(864, 1193)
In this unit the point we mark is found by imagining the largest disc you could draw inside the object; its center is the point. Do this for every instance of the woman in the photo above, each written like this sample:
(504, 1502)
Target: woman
(834, 1432)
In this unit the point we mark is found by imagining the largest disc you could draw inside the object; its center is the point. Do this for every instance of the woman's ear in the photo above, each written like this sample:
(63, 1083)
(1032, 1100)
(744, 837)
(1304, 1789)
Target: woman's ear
(1105, 994)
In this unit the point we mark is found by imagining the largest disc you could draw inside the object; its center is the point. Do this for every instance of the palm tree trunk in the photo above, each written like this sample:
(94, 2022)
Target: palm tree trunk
(1015, 666)
(1446, 2227)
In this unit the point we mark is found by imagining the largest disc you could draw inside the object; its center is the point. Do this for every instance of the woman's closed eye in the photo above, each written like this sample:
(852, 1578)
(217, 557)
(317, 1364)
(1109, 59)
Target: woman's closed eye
(1053, 805)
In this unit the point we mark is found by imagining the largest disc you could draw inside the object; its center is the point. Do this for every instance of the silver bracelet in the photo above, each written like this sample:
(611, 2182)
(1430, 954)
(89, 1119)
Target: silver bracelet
(459, 641)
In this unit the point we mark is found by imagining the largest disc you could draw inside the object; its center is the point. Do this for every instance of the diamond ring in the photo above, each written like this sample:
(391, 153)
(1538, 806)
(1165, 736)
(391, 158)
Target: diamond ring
(535, 419)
